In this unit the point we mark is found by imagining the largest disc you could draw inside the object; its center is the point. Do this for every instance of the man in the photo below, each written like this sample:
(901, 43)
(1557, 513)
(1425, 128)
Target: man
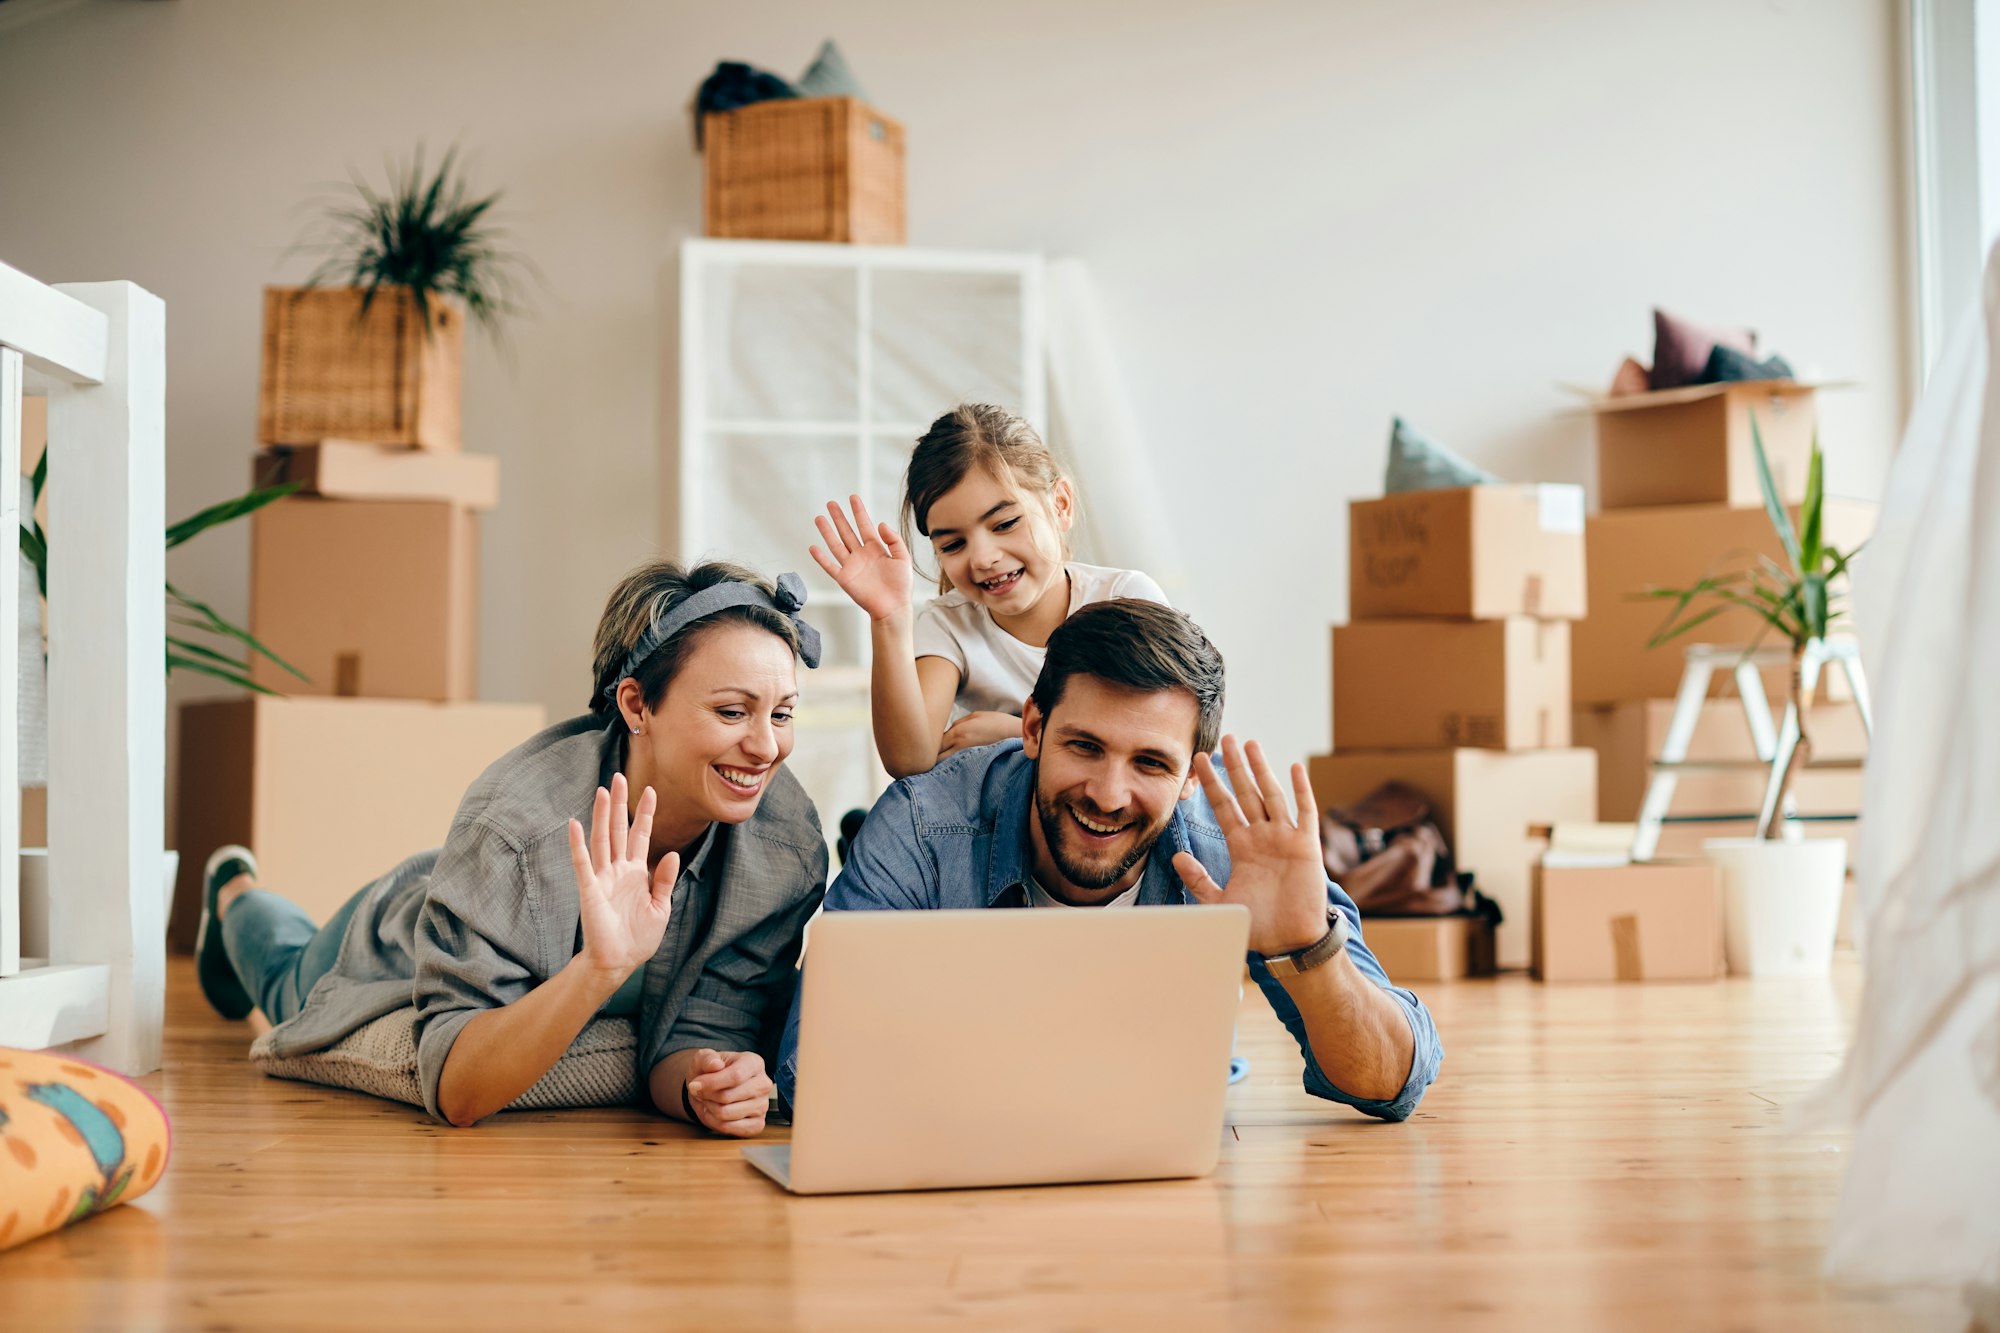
(1117, 737)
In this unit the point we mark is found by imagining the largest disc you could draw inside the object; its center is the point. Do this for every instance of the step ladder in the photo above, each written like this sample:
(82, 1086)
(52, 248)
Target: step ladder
(1774, 744)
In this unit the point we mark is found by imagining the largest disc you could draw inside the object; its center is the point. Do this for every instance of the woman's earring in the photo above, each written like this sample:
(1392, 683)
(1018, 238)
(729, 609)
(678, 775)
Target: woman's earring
(635, 728)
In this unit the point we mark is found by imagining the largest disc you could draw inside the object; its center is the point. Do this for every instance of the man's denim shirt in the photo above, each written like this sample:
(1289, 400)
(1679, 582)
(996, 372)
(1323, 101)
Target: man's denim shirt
(957, 836)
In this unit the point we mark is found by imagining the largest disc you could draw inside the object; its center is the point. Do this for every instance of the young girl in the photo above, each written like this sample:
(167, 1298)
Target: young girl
(986, 491)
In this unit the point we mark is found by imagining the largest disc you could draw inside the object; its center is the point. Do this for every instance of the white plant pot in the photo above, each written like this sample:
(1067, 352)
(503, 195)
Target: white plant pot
(1780, 903)
(35, 897)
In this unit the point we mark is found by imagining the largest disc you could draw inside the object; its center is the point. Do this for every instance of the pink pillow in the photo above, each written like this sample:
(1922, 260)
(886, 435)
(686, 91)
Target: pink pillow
(1681, 348)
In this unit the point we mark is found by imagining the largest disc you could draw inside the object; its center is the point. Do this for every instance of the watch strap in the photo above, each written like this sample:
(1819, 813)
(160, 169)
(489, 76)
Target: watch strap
(1314, 954)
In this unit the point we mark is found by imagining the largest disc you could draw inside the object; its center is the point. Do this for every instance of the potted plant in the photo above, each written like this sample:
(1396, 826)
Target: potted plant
(1781, 894)
(377, 358)
(198, 640)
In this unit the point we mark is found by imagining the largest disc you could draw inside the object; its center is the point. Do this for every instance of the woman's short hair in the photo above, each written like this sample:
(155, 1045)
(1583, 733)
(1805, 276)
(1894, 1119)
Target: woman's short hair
(649, 592)
(1138, 645)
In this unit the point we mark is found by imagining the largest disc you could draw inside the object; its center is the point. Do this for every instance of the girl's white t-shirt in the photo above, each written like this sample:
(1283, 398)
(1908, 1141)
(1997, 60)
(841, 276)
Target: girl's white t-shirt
(996, 671)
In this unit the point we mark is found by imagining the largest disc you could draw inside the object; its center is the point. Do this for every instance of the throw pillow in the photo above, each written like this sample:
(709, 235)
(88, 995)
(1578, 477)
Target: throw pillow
(75, 1139)
(1726, 365)
(829, 75)
(1418, 463)
(380, 1058)
(1681, 348)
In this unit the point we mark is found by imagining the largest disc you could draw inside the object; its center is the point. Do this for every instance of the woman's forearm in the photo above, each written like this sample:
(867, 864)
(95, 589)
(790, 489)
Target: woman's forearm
(667, 1080)
(501, 1052)
(904, 735)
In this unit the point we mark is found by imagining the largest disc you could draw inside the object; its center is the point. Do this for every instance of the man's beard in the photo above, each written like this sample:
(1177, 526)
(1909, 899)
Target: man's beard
(1086, 875)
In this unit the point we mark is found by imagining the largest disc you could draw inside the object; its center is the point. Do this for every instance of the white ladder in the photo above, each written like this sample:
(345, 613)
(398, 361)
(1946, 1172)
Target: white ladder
(1774, 744)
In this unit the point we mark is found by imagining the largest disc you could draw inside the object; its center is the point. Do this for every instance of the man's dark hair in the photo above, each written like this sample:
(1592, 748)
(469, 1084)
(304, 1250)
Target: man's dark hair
(1137, 645)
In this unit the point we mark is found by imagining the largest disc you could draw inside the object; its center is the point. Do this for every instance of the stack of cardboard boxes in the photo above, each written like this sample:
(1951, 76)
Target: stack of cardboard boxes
(1679, 500)
(1452, 677)
(367, 581)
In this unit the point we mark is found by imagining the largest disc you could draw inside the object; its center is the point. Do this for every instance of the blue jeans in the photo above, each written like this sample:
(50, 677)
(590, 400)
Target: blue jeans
(276, 950)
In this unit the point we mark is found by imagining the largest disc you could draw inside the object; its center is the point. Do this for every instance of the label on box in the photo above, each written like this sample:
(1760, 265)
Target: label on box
(1562, 507)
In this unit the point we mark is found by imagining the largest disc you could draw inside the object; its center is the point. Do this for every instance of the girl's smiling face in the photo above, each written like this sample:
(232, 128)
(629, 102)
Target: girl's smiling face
(1000, 545)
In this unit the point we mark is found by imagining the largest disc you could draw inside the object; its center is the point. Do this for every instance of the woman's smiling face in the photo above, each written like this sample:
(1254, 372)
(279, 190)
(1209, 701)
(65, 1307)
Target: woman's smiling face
(1001, 545)
(722, 728)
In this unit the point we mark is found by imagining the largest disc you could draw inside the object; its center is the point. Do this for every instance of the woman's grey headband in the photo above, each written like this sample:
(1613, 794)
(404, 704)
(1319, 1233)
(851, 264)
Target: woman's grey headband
(791, 596)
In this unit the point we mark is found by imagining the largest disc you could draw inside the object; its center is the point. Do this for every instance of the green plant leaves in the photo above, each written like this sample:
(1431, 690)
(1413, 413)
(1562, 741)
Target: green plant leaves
(425, 235)
(215, 514)
(182, 653)
(1798, 602)
(1773, 505)
(202, 616)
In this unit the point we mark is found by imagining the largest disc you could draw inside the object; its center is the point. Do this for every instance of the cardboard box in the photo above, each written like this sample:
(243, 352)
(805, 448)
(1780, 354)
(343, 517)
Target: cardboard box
(1693, 445)
(1430, 948)
(1652, 922)
(1474, 552)
(1631, 550)
(1628, 737)
(1419, 684)
(354, 470)
(370, 598)
(1484, 801)
(330, 793)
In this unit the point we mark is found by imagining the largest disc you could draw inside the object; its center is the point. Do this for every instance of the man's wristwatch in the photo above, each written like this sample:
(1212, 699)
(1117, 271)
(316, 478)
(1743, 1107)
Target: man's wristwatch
(1310, 957)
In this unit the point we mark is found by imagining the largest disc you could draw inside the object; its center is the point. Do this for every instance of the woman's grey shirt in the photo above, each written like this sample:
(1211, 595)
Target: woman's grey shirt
(492, 914)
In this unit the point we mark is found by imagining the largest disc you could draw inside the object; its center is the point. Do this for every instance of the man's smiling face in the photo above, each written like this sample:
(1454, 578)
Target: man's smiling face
(1110, 766)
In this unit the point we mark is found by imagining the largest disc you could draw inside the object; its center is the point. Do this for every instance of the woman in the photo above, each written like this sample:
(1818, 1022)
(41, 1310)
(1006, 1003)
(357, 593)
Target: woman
(522, 928)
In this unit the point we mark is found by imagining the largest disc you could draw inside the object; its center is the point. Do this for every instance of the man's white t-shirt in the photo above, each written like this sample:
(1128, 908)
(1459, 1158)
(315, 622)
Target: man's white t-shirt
(1041, 897)
(997, 671)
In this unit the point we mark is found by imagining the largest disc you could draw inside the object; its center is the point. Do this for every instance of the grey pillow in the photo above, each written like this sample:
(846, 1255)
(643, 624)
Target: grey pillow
(829, 76)
(380, 1058)
(1418, 463)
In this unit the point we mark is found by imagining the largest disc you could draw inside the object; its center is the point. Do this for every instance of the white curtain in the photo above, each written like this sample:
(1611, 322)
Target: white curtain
(1921, 1082)
(1095, 431)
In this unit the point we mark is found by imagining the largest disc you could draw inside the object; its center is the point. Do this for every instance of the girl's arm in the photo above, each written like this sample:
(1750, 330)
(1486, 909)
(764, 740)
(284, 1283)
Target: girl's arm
(623, 909)
(909, 698)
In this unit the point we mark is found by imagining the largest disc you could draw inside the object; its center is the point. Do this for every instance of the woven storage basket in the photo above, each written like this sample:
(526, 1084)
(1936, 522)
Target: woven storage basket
(331, 373)
(805, 169)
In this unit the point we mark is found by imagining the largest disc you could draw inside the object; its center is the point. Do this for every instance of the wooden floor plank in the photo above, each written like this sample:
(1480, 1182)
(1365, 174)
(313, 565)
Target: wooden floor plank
(1594, 1158)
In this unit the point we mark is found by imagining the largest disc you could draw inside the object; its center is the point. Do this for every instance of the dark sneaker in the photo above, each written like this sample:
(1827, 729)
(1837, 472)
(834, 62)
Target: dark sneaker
(219, 982)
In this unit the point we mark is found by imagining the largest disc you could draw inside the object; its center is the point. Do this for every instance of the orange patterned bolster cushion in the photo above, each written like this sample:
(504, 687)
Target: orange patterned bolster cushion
(75, 1139)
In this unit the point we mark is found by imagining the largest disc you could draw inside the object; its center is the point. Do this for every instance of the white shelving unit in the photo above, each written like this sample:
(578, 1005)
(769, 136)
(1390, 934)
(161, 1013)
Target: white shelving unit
(806, 373)
(101, 347)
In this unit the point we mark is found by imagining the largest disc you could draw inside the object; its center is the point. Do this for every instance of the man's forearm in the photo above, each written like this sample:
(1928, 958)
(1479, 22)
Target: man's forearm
(500, 1053)
(1358, 1033)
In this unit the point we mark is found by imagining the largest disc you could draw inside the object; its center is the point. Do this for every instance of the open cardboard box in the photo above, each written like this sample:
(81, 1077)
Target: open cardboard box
(1484, 802)
(1470, 552)
(1694, 446)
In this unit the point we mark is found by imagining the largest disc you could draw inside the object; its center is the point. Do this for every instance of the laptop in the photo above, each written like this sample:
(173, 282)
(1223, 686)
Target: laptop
(952, 1049)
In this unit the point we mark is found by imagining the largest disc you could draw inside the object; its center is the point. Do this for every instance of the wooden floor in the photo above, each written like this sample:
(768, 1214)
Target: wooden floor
(1593, 1158)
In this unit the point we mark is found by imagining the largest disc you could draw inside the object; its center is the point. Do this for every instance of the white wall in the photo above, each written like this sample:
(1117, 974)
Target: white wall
(1302, 218)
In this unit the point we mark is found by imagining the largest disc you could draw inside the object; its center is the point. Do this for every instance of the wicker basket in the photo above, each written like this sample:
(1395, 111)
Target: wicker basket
(806, 169)
(331, 373)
